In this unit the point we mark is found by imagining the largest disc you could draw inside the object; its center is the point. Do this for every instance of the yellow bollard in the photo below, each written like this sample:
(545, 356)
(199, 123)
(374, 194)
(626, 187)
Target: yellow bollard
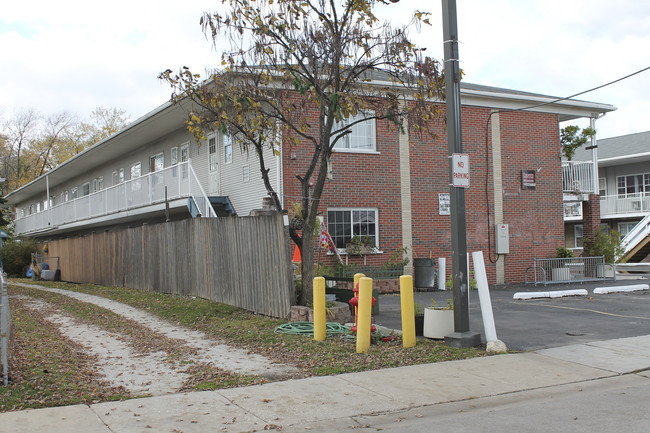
(320, 323)
(408, 310)
(357, 277)
(364, 312)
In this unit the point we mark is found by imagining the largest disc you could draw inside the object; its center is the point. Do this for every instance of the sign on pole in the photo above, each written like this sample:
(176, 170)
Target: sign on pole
(460, 170)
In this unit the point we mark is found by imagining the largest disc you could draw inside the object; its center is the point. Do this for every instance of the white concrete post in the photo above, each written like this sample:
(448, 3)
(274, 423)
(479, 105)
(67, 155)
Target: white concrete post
(441, 273)
(493, 344)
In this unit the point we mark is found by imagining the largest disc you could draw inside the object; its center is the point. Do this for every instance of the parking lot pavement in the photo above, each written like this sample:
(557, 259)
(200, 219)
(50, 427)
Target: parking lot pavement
(542, 323)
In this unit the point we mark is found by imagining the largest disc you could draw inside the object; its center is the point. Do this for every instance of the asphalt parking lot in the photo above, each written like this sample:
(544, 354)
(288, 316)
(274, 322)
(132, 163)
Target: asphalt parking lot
(543, 323)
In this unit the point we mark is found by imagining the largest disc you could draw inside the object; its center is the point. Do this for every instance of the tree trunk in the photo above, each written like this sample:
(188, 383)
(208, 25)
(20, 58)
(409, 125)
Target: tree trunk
(308, 263)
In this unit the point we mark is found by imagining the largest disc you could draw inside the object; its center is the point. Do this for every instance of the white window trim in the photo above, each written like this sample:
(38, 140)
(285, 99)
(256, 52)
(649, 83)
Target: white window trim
(83, 187)
(373, 138)
(636, 194)
(174, 155)
(226, 139)
(351, 209)
(213, 153)
(121, 176)
(184, 146)
(575, 236)
(153, 159)
(136, 164)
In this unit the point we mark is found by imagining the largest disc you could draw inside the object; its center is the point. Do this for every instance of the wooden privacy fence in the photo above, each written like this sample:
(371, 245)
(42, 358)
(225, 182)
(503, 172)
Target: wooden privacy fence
(243, 262)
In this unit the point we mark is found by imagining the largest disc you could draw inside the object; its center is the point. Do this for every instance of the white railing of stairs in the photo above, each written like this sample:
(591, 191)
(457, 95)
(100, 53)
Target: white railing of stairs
(636, 235)
(180, 181)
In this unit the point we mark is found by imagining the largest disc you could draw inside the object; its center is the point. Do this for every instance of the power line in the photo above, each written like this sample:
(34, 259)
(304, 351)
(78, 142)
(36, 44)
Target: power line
(577, 94)
(487, 125)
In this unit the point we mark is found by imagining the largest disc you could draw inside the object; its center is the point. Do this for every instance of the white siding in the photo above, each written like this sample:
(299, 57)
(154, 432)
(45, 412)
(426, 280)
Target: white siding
(246, 196)
(141, 153)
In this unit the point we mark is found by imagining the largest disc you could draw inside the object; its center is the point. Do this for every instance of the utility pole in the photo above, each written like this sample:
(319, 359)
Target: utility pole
(462, 336)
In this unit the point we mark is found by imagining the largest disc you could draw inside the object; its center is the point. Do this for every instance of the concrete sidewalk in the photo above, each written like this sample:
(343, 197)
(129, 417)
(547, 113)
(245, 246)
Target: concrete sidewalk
(337, 403)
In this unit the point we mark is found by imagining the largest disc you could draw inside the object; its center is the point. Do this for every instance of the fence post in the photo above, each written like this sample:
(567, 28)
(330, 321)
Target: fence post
(4, 327)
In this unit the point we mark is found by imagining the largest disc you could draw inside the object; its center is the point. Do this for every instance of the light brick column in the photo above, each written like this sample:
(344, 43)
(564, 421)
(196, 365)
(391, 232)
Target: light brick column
(405, 195)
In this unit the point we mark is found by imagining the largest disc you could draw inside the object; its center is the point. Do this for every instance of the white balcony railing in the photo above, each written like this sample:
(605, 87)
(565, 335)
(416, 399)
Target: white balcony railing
(629, 204)
(578, 177)
(180, 180)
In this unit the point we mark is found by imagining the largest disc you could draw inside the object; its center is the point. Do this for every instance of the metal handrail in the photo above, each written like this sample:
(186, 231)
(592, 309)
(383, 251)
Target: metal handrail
(142, 191)
(578, 176)
(571, 269)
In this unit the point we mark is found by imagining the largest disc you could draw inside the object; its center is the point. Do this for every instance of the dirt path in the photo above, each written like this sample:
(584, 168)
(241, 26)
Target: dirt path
(150, 373)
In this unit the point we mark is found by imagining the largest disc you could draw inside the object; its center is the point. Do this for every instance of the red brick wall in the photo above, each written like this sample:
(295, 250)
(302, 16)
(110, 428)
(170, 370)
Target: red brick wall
(528, 141)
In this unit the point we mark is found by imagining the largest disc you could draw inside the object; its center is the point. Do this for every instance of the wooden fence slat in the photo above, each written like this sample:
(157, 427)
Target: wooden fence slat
(243, 262)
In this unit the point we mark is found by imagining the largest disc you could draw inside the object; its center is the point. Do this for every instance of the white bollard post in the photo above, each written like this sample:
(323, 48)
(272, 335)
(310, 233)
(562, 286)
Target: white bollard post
(441, 273)
(493, 344)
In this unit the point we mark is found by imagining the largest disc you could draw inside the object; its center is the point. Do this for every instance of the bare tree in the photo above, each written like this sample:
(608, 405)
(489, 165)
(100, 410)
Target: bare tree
(290, 57)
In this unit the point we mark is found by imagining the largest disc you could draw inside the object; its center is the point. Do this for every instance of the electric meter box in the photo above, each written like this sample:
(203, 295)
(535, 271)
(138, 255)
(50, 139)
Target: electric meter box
(503, 239)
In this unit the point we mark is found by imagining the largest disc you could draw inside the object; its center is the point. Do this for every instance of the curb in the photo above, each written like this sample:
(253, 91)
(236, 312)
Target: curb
(619, 289)
(553, 294)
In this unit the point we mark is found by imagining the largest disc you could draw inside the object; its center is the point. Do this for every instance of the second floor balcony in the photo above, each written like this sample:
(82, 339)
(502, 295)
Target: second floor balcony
(578, 177)
(174, 188)
(612, 206)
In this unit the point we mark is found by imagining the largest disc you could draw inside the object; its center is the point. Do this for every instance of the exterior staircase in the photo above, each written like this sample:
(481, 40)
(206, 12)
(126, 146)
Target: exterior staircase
(636, 243)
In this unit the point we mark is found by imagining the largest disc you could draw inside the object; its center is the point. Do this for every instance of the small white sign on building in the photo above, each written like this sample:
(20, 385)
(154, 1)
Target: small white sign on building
(460, 170)
(443, 204)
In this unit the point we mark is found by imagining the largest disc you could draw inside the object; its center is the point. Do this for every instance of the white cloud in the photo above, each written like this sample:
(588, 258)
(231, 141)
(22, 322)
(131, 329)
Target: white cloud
(77, 55)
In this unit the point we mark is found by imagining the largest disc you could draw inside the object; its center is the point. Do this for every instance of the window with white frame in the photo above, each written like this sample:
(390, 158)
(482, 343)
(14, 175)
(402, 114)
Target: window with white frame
(212, 152)
(156, 162)
(602, 186)
(362, 137)
(116, 177)
(343, 224)
(98, 183)
(633, 185)
(577, 235)
(185, 156)
(74, 192)
(136, 172)
(227, 148)
(625, 228)
(67, 196)
(174, 155)
(122, 177)
(85, 189)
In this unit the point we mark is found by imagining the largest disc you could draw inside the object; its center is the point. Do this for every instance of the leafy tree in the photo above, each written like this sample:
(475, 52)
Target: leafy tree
(571, 138)
(32, 144)
(289, 57)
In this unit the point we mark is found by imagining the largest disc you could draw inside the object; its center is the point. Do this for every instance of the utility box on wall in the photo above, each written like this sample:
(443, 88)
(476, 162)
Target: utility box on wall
(503, 239)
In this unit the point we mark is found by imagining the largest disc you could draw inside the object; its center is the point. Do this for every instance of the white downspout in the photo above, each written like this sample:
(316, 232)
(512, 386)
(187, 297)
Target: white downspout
(594, 155)
(47, 202)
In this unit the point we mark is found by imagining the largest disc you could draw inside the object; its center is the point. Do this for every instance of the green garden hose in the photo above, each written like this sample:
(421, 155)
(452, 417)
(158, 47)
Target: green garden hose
(304, 328)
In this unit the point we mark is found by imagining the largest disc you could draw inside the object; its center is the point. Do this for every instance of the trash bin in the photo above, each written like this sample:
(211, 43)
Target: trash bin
(424, 273)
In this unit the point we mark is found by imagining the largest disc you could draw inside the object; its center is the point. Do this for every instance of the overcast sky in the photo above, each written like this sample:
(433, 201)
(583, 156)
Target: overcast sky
(76, 55)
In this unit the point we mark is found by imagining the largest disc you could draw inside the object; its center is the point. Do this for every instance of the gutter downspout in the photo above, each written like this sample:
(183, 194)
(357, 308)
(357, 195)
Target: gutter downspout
(47, 203)
(594, 152)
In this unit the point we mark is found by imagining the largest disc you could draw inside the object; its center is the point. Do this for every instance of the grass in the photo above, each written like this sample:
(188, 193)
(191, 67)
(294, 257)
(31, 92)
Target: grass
(239, 328)
(48, 370)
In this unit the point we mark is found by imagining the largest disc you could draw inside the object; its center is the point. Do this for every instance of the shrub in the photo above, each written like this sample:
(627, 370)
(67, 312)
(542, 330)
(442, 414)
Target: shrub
(606, 243)
(16, 256)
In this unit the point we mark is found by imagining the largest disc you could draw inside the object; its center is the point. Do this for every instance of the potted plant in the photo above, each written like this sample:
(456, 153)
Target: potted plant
(559, 272)
(419, 319)
(439, 321)
(360, 245)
